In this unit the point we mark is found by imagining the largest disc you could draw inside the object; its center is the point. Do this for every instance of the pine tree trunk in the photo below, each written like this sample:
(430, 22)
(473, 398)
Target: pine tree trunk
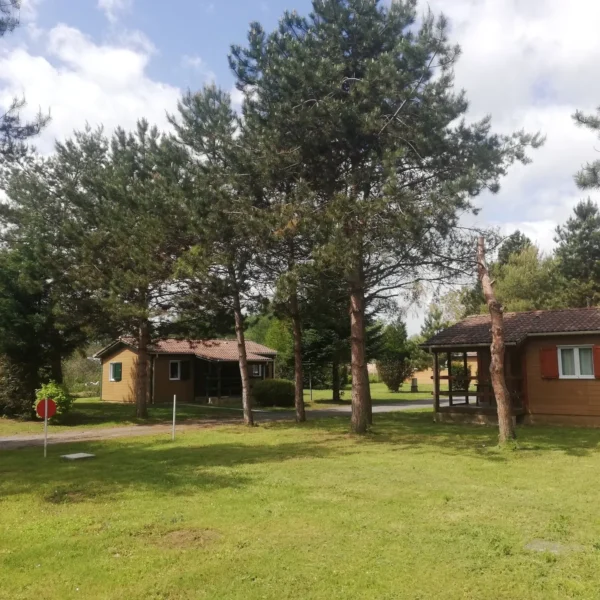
(142, 380)
(360, 380)
(241, 343)
(505, 421)
(56, 367)
(335, 378)
(369, 399)
(298, 374)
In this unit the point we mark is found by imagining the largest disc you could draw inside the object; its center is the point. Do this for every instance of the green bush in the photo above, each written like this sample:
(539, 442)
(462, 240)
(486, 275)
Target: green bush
(461, 376)
(273, 392)
(394, 372)
(58, 393)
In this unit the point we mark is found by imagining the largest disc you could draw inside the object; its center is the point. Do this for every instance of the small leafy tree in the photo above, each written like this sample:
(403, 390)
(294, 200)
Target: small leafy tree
(395, 364)
(394, 372)
(58, 393)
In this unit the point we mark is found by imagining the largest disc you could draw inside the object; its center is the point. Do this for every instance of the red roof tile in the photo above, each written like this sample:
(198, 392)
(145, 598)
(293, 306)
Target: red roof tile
(517, 326)
(225, 350)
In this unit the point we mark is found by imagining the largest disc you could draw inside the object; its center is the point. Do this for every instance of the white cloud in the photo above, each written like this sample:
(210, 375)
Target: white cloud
(196, 63)
(82, 82)
(237, 98)
(29, 9)
(531, 65)
(112, 8)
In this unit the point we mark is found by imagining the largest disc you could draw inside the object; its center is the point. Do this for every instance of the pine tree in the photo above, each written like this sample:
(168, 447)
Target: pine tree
(223, 231)
(515, 243)
(13, 132)
(589, 176)
(578, 253)
(109, 212)
(360, 98)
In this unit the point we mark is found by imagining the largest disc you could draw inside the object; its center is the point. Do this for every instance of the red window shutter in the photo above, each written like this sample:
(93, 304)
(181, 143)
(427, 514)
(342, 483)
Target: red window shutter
(549, 362)
(597, 361)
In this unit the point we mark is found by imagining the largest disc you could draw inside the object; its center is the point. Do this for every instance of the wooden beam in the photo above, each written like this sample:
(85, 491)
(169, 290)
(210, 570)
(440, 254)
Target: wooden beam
(436, 383)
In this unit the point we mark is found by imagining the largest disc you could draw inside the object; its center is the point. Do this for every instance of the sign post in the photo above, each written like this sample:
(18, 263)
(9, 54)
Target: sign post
(45, 427)
(174, 414)
(46, 409)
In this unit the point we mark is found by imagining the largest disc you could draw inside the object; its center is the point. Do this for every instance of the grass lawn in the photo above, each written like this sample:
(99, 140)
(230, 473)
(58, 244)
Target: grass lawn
(90, 413)
(379, 393)
(414, 510)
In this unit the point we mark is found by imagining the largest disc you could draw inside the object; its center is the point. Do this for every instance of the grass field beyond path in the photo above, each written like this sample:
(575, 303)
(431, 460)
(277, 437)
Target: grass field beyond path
(414, 510)
(91, 413)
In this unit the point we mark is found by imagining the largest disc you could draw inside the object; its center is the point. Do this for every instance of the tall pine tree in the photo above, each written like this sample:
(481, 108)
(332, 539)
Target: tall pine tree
(360, 98)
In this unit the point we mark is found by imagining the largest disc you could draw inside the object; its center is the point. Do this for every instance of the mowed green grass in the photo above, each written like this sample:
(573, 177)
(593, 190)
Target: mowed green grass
(413, 510)
(91, 413)
(379, 393)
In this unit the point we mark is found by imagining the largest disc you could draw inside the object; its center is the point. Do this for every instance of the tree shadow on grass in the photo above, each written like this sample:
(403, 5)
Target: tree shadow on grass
(417, 431)
(155, 466)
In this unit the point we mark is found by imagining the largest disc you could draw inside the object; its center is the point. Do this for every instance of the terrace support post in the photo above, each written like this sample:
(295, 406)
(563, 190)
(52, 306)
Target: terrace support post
(449, 358)
(436, 383)
(467, 377)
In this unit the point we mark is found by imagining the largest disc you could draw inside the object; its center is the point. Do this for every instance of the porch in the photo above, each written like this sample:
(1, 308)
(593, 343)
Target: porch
(470, 396)
(222, 379)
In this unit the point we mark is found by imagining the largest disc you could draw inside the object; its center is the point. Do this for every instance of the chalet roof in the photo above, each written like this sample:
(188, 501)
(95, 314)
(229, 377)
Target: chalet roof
(475, 331)
(217, 350)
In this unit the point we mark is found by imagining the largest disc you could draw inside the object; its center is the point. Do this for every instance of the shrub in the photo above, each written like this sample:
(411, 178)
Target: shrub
(393, 372)
(59, 394)
(461, 381)
(273, 392)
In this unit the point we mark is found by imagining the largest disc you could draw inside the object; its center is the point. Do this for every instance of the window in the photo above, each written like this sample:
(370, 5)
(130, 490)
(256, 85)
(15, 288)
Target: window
(175, 370)
(576, 362)
(256, 371)
(115, 371)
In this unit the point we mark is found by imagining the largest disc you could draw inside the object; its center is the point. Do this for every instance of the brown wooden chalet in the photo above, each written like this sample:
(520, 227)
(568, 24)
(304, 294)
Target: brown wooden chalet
(552, 367)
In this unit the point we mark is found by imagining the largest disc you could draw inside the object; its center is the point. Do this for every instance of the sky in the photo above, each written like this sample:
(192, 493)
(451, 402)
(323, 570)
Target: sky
(529, 64)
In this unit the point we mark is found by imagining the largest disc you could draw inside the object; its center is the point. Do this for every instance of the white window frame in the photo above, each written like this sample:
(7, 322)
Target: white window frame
(178, 378)
(577, 364)
(259, 371)
(111, 377)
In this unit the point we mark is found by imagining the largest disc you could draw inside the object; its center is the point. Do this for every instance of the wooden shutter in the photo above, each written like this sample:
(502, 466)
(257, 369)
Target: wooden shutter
(117, 371)
(549, 362)
(597, 362)
(185, 370)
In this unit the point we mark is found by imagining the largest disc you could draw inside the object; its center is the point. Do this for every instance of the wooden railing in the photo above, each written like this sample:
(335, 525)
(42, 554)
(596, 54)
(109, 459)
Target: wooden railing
(483, 394)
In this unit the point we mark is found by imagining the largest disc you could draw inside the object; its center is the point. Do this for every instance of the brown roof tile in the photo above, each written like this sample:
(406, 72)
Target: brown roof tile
(225, 350)
(517, 326)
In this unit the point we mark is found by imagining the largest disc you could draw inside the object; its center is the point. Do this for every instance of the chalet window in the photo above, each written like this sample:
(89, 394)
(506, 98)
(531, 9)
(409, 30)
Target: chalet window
(576, 362)
(256, 371)
(115, 371)
(179, 370)
(175, 370)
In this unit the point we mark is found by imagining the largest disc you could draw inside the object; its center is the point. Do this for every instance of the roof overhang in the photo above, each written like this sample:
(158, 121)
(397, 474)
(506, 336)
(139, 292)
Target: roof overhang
(112, 346)
(466, 346)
